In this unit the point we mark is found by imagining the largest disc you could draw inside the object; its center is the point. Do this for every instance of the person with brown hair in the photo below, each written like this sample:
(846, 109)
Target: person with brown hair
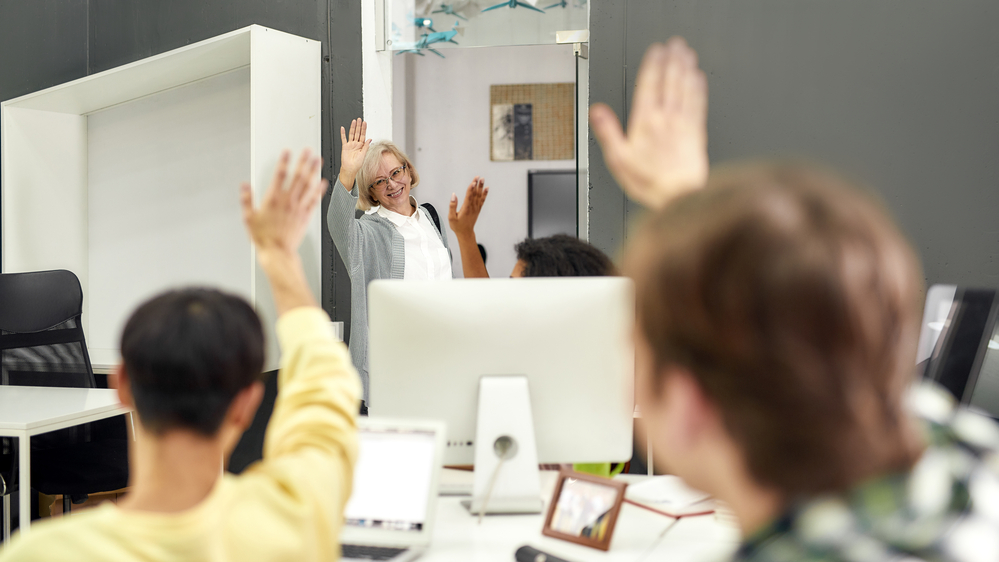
(777, 317)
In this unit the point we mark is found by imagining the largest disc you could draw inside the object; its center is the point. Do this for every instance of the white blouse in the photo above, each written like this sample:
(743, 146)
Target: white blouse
(426, 256)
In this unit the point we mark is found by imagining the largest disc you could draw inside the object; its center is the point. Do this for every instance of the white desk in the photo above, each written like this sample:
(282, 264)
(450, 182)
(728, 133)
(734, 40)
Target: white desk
(30, 410)
(458, 536)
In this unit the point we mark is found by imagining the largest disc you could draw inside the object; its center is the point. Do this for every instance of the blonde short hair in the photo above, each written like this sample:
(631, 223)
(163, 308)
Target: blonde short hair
(369, 169)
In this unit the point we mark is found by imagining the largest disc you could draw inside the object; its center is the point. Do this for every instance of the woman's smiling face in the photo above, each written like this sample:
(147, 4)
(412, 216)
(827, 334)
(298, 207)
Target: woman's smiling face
(392, 194)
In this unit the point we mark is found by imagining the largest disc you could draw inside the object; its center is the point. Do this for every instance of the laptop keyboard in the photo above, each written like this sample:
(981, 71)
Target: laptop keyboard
(370, 552)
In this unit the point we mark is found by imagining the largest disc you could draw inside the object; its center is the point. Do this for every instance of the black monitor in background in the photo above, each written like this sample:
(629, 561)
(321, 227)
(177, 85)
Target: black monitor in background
(959, 344)
(551, 203)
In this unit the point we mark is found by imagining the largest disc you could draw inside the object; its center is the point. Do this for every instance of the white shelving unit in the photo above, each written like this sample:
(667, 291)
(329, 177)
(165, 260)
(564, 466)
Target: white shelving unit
(130, 177)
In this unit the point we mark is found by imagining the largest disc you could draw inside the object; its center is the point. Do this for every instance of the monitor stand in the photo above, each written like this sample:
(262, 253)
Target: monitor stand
(506, 456)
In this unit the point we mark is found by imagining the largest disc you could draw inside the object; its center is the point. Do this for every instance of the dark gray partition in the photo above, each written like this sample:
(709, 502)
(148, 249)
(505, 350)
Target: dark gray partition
(902, 96)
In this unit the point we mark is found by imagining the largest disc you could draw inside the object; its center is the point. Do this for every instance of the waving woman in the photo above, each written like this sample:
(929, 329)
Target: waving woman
(395, 238)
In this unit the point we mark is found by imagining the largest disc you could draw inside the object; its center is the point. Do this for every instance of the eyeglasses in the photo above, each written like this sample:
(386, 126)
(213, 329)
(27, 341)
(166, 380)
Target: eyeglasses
(395, 175)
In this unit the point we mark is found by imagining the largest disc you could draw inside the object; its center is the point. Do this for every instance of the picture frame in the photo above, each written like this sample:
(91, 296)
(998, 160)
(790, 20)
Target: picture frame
(532, 122)
(584, 509)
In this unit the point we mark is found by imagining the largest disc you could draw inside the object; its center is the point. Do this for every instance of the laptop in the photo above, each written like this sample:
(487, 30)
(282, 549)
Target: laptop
(390, 515)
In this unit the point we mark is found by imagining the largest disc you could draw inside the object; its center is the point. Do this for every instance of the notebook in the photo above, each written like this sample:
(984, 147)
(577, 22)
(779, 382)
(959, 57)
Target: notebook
(390, 514)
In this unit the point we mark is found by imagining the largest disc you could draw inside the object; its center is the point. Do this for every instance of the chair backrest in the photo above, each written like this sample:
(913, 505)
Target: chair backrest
(41, 337)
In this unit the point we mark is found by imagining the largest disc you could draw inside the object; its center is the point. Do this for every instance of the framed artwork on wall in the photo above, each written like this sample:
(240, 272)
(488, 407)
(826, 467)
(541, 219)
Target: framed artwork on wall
(532, 122)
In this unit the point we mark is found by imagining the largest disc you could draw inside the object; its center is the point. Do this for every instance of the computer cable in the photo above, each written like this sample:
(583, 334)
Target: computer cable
(505, 448)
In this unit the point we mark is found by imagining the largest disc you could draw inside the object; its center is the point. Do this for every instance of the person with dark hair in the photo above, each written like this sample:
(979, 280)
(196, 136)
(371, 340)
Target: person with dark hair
(191, 364)
(560, 255)
(778, 311)
(170, 349)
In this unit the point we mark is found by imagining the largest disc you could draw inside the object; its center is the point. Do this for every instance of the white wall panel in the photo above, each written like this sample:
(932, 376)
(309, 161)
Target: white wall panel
(286, 108)
(45, 154)
(377, 79)
(164, 177)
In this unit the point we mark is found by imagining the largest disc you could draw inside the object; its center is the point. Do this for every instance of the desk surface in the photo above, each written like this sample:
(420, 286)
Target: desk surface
(458, 536)
(39, 409)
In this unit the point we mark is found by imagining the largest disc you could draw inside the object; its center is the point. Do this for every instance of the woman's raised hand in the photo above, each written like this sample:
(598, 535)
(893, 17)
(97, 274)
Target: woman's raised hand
(665, 152)
(462, 221)
(355, 147)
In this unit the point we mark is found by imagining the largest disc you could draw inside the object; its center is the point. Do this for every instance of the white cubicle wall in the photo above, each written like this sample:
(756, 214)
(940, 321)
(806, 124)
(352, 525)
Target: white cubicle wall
(130, 178)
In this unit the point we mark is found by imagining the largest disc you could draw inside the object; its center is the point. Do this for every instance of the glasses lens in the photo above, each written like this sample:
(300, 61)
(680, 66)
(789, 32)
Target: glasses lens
(394, 174)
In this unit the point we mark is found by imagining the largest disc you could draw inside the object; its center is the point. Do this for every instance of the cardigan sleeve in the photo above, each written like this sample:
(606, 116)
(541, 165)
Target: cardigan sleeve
(343, 227)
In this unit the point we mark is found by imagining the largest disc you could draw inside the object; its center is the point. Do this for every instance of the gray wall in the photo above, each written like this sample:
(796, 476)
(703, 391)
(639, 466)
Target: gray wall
(901, 96)
(48, 42)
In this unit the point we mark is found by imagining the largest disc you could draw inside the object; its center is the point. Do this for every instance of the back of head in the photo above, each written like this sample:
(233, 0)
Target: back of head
(187, 354)
(794, 302)
(562, 256)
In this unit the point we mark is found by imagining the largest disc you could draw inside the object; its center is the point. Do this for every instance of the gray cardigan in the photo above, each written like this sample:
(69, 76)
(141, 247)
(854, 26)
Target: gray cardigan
(371, 248)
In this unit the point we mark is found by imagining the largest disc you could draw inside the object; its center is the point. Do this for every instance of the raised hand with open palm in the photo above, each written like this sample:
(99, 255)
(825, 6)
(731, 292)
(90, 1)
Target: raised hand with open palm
(354, 148)
(462, 222)
(664, 152)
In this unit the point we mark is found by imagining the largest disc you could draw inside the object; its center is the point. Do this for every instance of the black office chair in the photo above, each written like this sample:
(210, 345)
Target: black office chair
(42, 344)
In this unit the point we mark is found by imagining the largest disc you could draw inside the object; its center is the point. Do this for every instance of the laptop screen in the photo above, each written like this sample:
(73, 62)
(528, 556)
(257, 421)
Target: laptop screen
(392, 480)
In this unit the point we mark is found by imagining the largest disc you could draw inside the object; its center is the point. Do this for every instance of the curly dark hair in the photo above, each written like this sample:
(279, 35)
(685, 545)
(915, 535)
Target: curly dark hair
(562, 256)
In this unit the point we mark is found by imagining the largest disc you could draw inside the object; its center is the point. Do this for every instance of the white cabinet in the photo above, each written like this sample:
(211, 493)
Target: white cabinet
(130, 177)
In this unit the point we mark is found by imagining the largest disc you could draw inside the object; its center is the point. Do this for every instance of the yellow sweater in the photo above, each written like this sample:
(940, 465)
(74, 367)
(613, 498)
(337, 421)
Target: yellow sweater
(289, 506)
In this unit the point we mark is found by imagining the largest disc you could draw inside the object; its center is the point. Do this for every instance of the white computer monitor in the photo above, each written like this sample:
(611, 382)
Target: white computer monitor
(431, 342)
